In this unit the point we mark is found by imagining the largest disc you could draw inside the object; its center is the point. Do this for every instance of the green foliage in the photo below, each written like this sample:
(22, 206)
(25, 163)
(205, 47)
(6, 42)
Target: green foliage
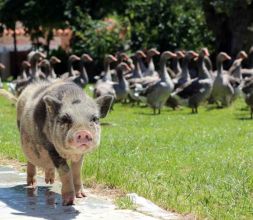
(125, 202)
(167, 25)
(97, 37)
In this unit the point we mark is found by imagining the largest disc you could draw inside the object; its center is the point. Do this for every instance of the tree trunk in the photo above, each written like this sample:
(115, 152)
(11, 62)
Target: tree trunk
(231, 29)
(15, 68)
(48, 40)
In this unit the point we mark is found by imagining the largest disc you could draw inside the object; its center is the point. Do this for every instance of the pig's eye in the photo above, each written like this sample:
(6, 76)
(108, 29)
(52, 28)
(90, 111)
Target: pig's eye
(94, 119)
(65, 119)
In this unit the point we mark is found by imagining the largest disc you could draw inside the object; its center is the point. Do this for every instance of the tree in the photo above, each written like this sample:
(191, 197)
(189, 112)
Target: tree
(168, 24)
(9, 14)
(231, 22)
(40, 17)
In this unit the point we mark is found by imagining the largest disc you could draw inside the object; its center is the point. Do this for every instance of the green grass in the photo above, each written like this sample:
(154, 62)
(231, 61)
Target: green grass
(125, 202)
(200, 164)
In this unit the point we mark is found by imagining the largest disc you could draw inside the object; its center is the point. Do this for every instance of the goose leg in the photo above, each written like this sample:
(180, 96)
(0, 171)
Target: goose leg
(251, 112)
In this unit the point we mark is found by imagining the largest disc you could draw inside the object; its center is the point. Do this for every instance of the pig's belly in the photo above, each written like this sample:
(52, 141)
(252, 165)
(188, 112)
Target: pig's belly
(37, 155)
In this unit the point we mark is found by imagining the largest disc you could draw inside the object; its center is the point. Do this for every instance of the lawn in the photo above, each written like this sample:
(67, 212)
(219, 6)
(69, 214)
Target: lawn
(200, 164)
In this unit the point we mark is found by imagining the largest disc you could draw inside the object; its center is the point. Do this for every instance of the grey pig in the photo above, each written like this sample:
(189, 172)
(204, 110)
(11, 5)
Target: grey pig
(59, 122)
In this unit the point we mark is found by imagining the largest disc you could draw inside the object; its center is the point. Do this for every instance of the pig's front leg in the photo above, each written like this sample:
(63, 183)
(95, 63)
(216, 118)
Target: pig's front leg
(77, 179)
(68, 191)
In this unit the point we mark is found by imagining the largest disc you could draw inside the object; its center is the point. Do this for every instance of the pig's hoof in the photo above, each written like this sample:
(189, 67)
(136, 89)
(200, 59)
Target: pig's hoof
(31, 182)
(68, 199)
(80, 194)
(79, 191)
(49, 176)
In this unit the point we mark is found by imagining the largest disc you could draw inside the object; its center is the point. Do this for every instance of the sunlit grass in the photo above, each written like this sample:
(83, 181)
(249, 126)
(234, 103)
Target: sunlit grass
(200, 164)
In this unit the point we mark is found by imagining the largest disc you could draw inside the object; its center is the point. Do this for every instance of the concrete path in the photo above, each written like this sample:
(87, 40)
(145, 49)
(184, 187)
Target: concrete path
(19, 202)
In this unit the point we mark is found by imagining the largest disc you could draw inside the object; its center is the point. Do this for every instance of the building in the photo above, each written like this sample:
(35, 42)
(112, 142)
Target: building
(24, 46)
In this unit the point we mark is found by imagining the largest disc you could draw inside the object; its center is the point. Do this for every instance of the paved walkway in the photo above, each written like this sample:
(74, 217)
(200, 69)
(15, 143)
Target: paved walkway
(19, 202)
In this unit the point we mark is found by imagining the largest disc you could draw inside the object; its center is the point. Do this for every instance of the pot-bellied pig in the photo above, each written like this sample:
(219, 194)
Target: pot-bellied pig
(59, 122)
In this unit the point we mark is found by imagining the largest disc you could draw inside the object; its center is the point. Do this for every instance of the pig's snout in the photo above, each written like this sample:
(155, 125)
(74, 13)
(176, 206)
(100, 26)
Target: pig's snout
(82, 138)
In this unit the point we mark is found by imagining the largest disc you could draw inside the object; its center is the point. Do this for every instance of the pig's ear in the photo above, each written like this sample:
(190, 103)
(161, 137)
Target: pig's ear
(104, 104)
(52, 104)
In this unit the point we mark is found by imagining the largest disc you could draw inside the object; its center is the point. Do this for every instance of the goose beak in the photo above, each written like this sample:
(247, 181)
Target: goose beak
(142, 54)
(243, 55)
(114, 59)
(128, 69)
(125, 57)
(194, 55)
(206, 52)
(57, 60)
(180, 55)
(156, 52)
(26, 64)
(40, 63)
(2, 67)
(42, 55)
(89, 59)
(173, 55)
(227, 57)
(76, 58)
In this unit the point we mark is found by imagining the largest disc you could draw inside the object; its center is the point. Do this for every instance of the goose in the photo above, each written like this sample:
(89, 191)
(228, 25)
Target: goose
(135, 77)
(34, 58)
(156, 94)
(2, 67)
(247, 90)
(236, 74)
(176, 66)
(136, 73)
(118, 90)
(175, 74)
(121, 88)
(235, 69)
(199, 89)
(53, 61)
(248, 72)
(82, 79)
(106, 74)
(104, 84)
(25, 70)
(121, 57)
(150, 70)
(223, 91)
(16, 86)
(45, 66)
(184, 76)
(71, 72)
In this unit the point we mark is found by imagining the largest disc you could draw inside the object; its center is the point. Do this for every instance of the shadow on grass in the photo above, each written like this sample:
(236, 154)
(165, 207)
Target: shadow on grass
(246, 108)
(40, 202)
(107, 124)
(243, 118)
(145, 113)
(214, 107)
